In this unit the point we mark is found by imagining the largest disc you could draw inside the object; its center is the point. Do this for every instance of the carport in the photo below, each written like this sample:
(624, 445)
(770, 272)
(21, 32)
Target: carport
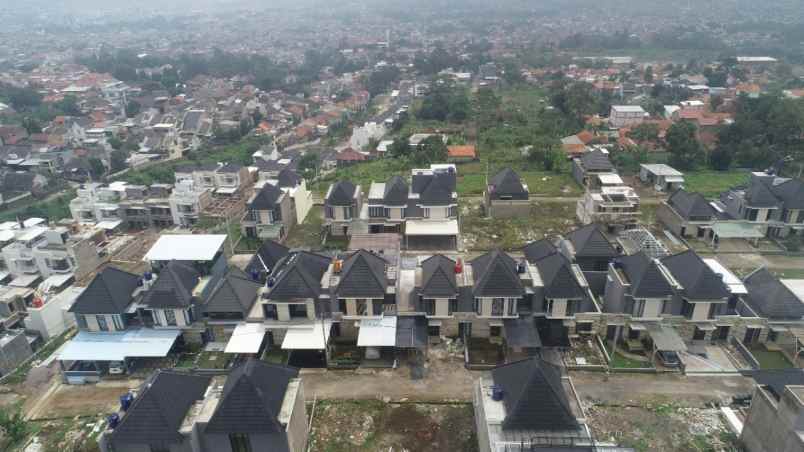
(429, 234)
(664, 339)
(247, 338)
(85, 357)
(737, 230)
(521, 335)
(378, 336)
(308, 344)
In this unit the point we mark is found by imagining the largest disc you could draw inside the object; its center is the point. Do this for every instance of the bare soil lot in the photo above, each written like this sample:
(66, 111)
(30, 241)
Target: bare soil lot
(371, 425)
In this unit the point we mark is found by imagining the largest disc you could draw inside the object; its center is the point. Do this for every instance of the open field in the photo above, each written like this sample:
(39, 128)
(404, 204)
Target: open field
(545, 218)
(371, 425)
(662, 426)
(307, 234)
(712, 183)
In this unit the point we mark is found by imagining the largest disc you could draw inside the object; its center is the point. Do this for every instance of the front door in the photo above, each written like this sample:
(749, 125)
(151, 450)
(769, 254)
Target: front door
(751, 335)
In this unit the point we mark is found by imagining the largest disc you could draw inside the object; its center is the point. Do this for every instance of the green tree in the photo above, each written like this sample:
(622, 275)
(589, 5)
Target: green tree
(133, 108)
(115, 143)
(31, 125)
(431, 150)
(117, 160)
(400, 148)
(715, 102)
(682, 143)
(308, 165)
(13, 424)
(720, 158)
(648, 131)
(96, 168)
(648, 75)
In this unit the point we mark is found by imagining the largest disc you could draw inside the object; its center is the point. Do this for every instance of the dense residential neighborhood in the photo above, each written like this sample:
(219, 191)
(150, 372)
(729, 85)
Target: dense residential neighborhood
(416, 226)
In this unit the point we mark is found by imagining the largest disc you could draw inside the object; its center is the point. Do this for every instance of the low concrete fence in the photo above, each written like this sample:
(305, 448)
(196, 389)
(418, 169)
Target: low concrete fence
(745, 353)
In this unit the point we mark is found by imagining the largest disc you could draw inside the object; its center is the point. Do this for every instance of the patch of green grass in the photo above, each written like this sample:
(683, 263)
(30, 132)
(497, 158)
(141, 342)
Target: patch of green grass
(54, 209)
(771, 359)
(307, 234)
(275, 356)
(620, 361)
(712, 183)
(213, 360)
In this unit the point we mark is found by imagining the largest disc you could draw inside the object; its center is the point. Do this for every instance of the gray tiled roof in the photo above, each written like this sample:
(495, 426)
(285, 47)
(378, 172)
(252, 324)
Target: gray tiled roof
(559, 278)
(109, 293)
(596, 160)
(438, 277)
(269, 255)
(266, 198)
(435, 188)
(342, 194)
(252, 399)
(495, 275)
(362, 276)
(298, 275)
(760, 195)
(534, 396)
(770, 298)
(288, 178)
(589, 241)
(507, 183)
(233, 291)
(698, 280)
(396, 192)
(173, 287)
(691, 204)
(537, 250)
(645, 277)
(159, 409)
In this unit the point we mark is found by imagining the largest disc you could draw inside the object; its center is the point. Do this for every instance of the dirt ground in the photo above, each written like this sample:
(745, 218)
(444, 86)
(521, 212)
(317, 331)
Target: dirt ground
(662, 427)
(597, 387)
(87, 400)
(370, 425)
(443, 381)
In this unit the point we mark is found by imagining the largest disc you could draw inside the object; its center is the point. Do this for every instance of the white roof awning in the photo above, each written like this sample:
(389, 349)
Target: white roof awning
(109, 225)
(610, 179)
(674, 179)
(728, 230)
(314, 337)
(186, 247)
(227, 190)
(105, 346)
(731, 280)
(377, 332)
(246, 338)
(426, 227)
(24, 281)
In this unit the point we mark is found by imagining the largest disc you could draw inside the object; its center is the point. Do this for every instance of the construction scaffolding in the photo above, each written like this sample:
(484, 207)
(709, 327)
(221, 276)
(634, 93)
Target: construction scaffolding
(640, 239)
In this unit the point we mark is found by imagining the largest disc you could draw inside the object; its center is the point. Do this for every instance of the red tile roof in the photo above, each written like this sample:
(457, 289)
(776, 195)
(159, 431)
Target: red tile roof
(465, 151)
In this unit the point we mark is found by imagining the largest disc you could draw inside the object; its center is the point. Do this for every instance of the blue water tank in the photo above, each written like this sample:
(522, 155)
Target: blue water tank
(113, 420)
(271, 282)
(126, 400)
(148, 276)
(255, 275)
(496, 393)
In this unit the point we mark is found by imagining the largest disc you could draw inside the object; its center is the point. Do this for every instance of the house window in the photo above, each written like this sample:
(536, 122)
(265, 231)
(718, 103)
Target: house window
(328, 213)
(639, 308)
(572, 307)
(102, 326)
(453, 306)
(170, 317)
(239, 442)
(426, 212)
(118, 322)
(434, 330)
(495, 331)
(512, 307)
(478, 307)
(81, 321)
(376, 307)
(497, 306)
(549, 309)
(362, 307)
(342, 305)
(429, 307)
(687, 309)
(524, 306)
(377, 212)
(297, 311)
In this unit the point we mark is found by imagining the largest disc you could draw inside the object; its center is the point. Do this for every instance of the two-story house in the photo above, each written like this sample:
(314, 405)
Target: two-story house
(228, 297)
(257, 407)
(589, 248)
(187, 201)
(431, 217)
(290, 305)
(362, 288)
(587, 168)
(342, 204)
(780, 305)
(774, 203)
(270, 214)
(506, 195)
(688, 214)
(171, 301)
(497, 292)
(231, 178)
(385, 209)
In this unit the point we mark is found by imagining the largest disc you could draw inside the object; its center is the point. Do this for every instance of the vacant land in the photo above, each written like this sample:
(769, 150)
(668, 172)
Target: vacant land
(307, 234)
(712, 183)
(371, 425)
(546, 218)
(661, 426)
(472, 181)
